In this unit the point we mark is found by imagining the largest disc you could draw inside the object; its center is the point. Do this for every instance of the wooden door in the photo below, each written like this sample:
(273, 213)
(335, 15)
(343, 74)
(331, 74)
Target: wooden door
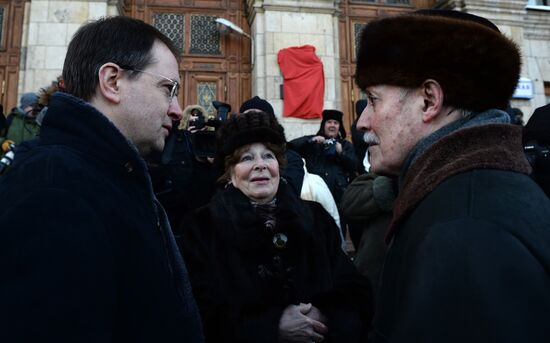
(214, 65)
(11, 28)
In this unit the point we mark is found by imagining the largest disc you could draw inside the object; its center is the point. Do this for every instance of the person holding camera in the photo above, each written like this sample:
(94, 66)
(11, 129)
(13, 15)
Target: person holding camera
(328, 154)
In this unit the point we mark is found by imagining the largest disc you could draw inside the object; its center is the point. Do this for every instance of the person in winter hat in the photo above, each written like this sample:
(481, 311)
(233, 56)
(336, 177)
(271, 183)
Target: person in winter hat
(536, 140)
(328, 154)
(256, 103)
(277, 256)
(468, 247)
(293, 173)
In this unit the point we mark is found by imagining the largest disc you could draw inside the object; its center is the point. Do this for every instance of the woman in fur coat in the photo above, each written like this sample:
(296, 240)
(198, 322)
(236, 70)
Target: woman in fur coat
(264, 265)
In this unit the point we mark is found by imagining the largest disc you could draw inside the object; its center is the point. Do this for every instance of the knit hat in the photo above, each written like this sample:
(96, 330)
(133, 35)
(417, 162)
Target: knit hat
(28, 99)
(248, 128)
(360, 106)
(334, 115)
(477, 66)
(258, 104)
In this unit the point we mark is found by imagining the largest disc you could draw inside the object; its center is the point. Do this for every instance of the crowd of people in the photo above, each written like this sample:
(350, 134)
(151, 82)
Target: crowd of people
(130, 219)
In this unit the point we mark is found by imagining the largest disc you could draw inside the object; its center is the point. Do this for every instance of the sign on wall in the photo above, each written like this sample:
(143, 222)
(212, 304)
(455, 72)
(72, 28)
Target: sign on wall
(524, 89)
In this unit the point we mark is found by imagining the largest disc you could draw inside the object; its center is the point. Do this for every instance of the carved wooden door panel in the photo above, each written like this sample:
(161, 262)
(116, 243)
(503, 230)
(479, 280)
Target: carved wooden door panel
(11, 27)
(203, 88)
(213, 66)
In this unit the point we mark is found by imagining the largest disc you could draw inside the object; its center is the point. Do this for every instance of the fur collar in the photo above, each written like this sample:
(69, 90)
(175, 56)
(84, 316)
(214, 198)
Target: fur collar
(493, 146)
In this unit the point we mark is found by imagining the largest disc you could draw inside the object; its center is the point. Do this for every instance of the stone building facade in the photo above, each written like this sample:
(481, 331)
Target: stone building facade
(245, 67)
(528, 24)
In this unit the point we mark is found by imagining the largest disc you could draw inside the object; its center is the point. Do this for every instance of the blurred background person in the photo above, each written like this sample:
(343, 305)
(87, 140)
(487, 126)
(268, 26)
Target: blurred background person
(328, 154)
(182, 174)
(21, 124)
(536, 142)
(367, 206)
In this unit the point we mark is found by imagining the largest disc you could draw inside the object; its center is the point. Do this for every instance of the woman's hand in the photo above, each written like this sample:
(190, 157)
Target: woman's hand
(302, 323)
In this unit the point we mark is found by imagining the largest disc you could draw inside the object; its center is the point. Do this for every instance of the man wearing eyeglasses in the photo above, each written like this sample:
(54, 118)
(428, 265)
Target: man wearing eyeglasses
(86, 251)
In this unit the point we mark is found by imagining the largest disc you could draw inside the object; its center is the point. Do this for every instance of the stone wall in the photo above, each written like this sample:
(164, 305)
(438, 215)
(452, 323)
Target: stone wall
(47, 30)
(530, 29)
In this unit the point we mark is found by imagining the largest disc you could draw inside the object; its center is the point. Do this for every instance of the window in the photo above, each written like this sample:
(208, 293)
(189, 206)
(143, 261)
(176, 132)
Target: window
(388, 2)
(190, 33)
(3, 13)
(206, 93)
(538, 4)
(172, 25)
(357, 28)
(205, 37)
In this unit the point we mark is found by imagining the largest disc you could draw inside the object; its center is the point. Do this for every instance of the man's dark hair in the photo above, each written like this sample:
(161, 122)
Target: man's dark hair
(124, 41)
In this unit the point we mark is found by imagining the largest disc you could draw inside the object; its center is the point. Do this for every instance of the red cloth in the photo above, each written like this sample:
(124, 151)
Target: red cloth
(304, 82)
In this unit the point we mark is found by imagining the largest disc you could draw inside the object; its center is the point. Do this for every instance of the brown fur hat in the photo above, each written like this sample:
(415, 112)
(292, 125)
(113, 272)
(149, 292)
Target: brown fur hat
(477, 66)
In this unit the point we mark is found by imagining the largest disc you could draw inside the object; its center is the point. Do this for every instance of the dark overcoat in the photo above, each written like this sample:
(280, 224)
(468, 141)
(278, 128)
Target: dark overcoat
(242, 282)
(86, 253)
(470, 255)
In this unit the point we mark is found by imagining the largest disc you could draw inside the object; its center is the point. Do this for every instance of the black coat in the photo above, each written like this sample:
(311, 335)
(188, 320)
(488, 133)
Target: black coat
(337, 170)
(230, 256)
(470, 257)
(86, 252)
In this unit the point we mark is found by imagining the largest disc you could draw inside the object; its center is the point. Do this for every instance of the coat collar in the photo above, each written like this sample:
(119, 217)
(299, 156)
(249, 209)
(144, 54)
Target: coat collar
(75, 123)
(492, 146)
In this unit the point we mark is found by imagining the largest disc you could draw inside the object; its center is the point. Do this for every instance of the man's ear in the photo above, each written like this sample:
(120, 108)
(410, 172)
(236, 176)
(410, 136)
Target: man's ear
(432, 94)
(109, 82)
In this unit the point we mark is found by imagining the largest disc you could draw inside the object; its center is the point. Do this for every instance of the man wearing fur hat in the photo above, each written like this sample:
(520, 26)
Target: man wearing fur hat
(328, 154)
(469, 258)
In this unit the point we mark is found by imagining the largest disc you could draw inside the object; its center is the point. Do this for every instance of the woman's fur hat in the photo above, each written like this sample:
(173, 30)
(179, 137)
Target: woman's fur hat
(477, 66)
(248, 128)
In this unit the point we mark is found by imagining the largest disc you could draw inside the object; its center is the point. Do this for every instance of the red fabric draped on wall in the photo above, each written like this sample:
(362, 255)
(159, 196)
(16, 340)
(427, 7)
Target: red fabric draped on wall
(304, 82)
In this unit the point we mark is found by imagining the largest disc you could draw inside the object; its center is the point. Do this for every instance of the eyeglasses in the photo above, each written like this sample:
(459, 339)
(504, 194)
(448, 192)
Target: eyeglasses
(175, 84)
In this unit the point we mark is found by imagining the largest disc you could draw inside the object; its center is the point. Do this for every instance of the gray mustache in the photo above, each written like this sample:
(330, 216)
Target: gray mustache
(371, 138)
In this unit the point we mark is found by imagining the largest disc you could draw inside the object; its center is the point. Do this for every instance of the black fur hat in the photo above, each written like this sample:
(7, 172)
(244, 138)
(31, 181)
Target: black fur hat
(335, 115)
(257, 103)
(248, 128)
(477, 66)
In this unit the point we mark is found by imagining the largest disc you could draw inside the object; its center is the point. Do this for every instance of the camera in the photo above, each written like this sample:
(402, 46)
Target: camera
(537, 155)
(7, 159)
(200, 122)
(329, 147)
